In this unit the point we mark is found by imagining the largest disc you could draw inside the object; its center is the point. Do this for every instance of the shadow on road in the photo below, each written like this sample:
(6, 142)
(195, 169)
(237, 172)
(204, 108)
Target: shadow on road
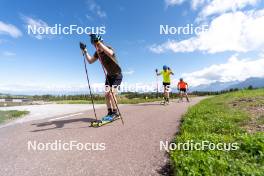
(165, 170)
(60, 123)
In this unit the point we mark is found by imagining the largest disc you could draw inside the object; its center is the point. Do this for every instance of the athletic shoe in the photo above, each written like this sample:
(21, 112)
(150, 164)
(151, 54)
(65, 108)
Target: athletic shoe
(107, 118)
(115, 115)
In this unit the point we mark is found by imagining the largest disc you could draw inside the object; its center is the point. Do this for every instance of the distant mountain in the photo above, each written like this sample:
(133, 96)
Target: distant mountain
(255, 82)
(218, 86)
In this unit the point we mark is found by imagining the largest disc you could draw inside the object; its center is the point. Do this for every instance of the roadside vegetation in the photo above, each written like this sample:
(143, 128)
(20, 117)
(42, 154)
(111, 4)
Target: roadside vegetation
(236, 117)
(123, 98)
(11, 115)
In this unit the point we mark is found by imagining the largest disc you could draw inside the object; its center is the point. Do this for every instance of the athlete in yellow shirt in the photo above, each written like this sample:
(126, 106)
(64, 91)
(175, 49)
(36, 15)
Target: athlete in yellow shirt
(166, 72)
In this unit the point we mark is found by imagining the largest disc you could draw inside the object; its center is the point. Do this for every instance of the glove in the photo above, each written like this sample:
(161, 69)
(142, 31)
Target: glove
(95, 38)
(82, 46)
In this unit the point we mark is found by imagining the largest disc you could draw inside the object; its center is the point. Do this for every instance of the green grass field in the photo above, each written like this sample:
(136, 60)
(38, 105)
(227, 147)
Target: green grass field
(10, 115)
(235, 117)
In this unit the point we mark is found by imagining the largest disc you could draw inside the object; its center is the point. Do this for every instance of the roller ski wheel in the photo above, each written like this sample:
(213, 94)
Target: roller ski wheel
(105, 120)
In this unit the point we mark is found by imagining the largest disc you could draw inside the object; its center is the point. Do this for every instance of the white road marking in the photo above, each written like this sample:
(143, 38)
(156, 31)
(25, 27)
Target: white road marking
(66, 116)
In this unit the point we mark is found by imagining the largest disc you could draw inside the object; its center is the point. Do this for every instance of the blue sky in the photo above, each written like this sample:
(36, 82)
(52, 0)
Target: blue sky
(133, 30)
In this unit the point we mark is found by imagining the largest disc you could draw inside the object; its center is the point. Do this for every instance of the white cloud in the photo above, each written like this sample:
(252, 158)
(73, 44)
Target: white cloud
(194, 3)
(261, 54)
(235, 31)
(215, 6)
(197, 3)
(189, 45)
(9, 29)
(96, 9)
(173, 2)
(8, 54)
(234, 70)
(222, 6)
(38, 23)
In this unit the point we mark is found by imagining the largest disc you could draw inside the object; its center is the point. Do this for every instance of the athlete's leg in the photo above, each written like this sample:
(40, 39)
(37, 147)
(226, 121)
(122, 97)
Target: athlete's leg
(180, 95)
(114, 89)
(113, 98)
(164, 93)
(108, 100)
(186, 95)
(108, 83)
(168, 93)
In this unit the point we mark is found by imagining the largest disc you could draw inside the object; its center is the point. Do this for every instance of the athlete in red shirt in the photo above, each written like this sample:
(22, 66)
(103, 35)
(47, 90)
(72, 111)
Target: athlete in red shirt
(183, 87)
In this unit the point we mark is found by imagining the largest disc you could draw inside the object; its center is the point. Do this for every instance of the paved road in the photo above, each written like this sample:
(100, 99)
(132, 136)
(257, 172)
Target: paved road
(132, 149)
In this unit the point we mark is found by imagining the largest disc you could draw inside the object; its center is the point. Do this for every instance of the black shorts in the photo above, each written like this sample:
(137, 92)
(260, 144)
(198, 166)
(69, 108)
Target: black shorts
(183, 90)
(166, 84)
(113, 80)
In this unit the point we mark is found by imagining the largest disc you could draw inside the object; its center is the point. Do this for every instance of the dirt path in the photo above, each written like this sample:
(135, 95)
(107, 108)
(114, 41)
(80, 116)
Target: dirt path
(132, 149)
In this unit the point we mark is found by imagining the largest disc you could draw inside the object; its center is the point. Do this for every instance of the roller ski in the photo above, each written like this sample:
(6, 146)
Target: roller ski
(165, 102)
(105, 120)
(180, 100)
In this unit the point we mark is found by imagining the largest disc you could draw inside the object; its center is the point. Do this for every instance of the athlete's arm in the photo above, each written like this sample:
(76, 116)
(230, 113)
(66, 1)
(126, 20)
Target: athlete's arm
(106, 50)
(88, 57)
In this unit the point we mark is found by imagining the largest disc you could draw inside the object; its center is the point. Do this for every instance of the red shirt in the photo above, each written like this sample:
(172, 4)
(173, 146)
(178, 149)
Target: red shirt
(182, 85)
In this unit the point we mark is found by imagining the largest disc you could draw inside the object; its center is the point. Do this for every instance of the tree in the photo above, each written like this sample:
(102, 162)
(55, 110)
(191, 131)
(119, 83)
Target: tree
(250, 87)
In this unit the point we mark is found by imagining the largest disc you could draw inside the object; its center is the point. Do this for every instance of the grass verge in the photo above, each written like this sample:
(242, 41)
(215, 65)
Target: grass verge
(217, 120)
(10, 115)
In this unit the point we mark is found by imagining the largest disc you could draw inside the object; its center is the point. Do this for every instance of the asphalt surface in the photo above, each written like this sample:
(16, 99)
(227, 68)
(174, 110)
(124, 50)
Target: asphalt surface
(113, 149)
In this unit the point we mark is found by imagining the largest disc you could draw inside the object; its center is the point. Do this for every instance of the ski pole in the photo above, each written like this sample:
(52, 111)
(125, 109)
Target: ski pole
(88, 81)
(112, 94)
(157, 80)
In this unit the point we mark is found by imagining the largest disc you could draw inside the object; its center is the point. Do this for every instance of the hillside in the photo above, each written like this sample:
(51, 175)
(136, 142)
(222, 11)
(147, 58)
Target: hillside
(235, 119)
